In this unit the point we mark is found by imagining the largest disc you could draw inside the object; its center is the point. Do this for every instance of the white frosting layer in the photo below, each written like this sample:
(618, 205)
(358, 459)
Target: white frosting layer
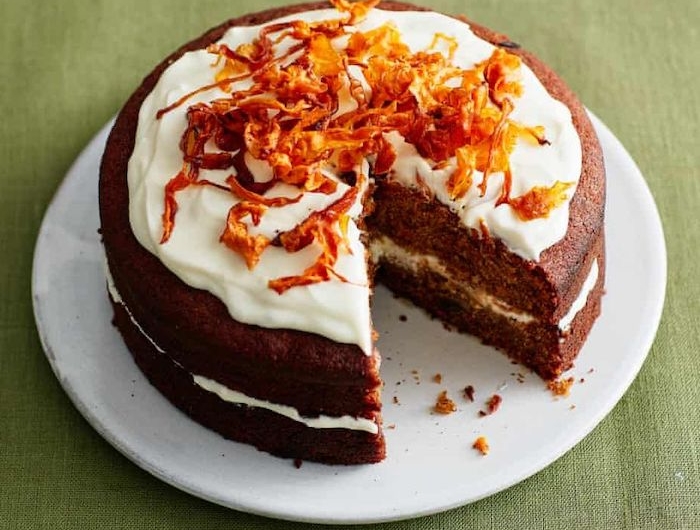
(385, 248)
(233, 396)
(333, 309)
(582, 297)
(117, 299)
(321, 422)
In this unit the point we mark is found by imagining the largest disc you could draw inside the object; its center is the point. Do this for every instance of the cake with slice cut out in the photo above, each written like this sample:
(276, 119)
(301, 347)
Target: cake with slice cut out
(265, 175)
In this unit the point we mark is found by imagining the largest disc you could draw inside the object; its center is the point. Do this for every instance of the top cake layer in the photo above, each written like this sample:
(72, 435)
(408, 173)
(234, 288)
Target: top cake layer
(336, 308)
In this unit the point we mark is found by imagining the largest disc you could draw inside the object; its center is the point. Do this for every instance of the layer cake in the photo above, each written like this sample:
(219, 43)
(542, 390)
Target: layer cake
(266, 174)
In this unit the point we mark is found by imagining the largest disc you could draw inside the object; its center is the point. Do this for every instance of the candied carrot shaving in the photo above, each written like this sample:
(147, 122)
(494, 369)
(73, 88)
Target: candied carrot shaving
(235, 235)
(461, 179)
(357, 10)
(177, 183)
(247, 195)
(540, 200)
(451, 44)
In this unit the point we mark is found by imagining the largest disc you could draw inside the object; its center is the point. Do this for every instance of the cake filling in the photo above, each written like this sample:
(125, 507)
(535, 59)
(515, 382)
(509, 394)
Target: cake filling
(582, 298)
(544, 160)
(320, 422)
(383, 248)
(238, 398)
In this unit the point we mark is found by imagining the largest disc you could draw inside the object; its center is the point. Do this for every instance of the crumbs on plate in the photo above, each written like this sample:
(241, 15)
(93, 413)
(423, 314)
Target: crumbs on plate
(491, 405)
(561, 387)
(443, 404)
(469, 393)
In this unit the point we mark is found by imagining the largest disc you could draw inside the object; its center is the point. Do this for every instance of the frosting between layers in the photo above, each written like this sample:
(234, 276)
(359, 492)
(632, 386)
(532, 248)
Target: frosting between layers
(337, 310)
(321, 422)
(582, 298)
(117, 299)
(233, 396)
(384, 247)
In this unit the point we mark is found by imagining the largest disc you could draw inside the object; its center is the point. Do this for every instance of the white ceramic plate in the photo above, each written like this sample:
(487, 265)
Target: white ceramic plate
(431, 465)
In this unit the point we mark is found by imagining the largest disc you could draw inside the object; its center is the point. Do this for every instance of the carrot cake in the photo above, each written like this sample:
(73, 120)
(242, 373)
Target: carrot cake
(265, 175)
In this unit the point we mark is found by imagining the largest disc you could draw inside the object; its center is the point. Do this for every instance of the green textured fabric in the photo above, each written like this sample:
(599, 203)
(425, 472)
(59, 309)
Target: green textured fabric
(67, 66)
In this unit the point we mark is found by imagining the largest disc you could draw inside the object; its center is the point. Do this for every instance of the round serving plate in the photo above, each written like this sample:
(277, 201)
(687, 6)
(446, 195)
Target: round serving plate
(431, 465)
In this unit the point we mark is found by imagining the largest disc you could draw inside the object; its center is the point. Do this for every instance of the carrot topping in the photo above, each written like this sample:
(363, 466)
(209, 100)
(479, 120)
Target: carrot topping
(283, 108)
(324, 59)
(312, 227)
(319, 227)
(461, 180)
(358, 10)
(481, 444)
(540, 201)
(253, 197)
(177, 183)
(235, 236)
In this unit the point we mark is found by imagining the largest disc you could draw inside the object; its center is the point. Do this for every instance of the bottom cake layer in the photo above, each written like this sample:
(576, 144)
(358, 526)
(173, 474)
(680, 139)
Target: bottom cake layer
(265, 429)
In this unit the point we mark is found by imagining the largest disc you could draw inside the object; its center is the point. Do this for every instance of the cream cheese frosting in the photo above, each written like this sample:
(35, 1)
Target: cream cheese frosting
(319, 422)
(385, 248)
(582, 298)
(335, 309)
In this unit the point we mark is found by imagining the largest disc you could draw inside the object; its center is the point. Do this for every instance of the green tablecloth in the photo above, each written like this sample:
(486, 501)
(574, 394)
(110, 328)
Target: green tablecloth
(67, 66)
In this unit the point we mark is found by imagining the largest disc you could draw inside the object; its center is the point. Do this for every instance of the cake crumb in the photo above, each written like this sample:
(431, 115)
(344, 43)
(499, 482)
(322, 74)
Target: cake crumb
(391, 426)
(297, 463)
(561, 387)
(481, 444)
(437, 378)
(591, 370)
(491, 405)
(582, 380)
(396, 400)
(403, 318)
(572, 407)
(469, 393)
(444, 405)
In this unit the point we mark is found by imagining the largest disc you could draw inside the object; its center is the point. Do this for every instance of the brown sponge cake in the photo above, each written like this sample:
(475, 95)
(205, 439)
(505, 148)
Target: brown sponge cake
(296, 385)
